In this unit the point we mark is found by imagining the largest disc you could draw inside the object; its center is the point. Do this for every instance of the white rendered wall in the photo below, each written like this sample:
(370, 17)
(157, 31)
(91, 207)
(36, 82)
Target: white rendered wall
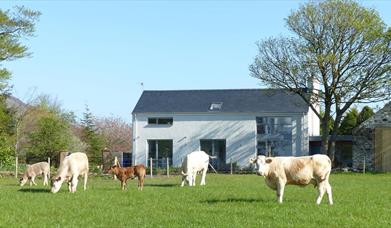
(239, 131)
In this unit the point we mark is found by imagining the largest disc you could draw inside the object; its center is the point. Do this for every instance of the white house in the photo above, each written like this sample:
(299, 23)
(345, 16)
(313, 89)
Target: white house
(233, 124)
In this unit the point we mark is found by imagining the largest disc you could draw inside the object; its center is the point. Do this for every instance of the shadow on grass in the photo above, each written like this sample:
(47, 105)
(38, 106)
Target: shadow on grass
(34, 190)
(161, 185)
(234, 200)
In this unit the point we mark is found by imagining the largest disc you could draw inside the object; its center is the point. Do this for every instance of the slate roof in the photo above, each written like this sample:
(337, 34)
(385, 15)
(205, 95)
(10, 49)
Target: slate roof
(234, 101)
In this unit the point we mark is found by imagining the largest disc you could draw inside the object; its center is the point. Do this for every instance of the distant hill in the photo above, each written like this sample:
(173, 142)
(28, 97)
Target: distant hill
(16, 103)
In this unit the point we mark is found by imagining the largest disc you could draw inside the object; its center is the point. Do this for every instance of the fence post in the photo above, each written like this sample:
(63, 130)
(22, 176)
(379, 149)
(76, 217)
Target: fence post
(49, 166)
(150, 166)
(115, 163)
(230, 160)
(168, 167)
(16, 167)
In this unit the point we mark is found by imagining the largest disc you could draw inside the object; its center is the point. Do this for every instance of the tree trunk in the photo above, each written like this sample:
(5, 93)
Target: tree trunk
(325, 135)
(332, 141)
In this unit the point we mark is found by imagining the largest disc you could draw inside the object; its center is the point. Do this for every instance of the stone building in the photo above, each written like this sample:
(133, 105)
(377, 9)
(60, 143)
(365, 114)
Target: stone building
(372, 142)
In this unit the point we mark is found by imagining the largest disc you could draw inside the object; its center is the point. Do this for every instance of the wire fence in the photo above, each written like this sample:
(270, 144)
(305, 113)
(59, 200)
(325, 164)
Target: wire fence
(101, 165)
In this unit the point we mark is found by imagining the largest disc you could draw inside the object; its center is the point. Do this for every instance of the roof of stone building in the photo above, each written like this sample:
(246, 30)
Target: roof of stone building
(381, 118)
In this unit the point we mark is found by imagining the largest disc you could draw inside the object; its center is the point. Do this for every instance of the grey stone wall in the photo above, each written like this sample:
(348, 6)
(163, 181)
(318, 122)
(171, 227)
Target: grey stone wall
(363, 138)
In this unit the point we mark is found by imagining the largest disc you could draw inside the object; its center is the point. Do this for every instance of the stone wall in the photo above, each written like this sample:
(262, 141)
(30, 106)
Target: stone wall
(363, 138)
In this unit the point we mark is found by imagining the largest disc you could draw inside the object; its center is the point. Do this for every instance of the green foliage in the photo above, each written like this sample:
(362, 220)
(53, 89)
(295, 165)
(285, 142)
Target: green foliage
(7, 129)
(7, 124)
(353, 119)
(51, 136)
(365, 114)
(14, 25)
(6, 150)
(94, 141)
(349, 122)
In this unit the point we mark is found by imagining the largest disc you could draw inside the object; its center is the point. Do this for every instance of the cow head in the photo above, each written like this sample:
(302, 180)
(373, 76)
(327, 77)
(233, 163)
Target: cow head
(23, 181)
(262, 164)
(56, 184)
(112, 169)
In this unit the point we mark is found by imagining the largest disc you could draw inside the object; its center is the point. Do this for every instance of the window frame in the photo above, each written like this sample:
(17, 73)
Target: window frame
(162, 121)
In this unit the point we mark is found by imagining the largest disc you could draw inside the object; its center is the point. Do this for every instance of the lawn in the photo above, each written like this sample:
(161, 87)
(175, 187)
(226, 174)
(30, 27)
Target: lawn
(226, 201)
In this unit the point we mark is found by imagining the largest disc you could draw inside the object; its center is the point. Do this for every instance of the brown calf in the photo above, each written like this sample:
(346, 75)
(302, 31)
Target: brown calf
(123, 174)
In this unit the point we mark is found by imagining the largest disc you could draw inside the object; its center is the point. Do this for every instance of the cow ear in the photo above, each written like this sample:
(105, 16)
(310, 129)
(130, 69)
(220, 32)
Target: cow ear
(253, 160)
(269, 160)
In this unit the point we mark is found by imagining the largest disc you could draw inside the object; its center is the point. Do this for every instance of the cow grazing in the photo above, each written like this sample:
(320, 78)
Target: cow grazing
(280, 171)
(123, 174)
(40, 168)
(194, 163)
(70, 168)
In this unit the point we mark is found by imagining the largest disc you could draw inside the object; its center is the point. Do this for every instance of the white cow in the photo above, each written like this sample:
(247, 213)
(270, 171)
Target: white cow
(280, 171)
(193, 163)
(71, 167)
(34, 170)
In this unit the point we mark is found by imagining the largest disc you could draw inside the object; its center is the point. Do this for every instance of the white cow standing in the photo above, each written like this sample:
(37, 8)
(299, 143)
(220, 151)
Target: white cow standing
(193, 163)
(34, 170)
(71, 167)
(280, 171)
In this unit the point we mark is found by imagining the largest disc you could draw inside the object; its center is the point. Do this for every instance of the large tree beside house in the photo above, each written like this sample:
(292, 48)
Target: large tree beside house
(339, 55)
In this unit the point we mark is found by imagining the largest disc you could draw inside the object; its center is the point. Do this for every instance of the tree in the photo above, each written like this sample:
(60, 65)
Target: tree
(340, 55)
(90, 136)
(330, 124)
(116, 133)
(45, 129)
(51, 137)
(366, 113)
(349, 122)
(14, 25)
(6, 132)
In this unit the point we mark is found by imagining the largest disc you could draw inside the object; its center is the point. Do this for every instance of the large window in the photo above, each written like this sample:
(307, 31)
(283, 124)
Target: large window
(274, 135)
(160, 121)
(215, 147)
(159, 151)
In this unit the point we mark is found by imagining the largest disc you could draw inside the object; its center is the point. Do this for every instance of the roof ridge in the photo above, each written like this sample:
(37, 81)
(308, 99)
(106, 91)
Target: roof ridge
(188, 90)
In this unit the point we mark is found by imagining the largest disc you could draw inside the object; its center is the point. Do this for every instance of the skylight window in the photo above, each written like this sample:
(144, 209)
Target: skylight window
(216, 106)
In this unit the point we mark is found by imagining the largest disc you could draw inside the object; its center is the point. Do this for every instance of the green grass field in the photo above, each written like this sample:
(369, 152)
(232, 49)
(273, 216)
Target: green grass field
(226, 201)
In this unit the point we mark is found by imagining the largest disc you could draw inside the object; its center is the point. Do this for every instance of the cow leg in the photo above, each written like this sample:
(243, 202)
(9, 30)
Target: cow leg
(280, 191)
(70, 185)
(74, 183)
(329, 193)
(203, 177)
(321, 190)
(33, 180)
(183, 180)
(85, 180)
(45, 179)
(142, 183)
(194, 179)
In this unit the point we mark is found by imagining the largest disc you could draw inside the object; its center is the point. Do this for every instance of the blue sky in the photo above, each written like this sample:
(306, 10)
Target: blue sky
(98, 52)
